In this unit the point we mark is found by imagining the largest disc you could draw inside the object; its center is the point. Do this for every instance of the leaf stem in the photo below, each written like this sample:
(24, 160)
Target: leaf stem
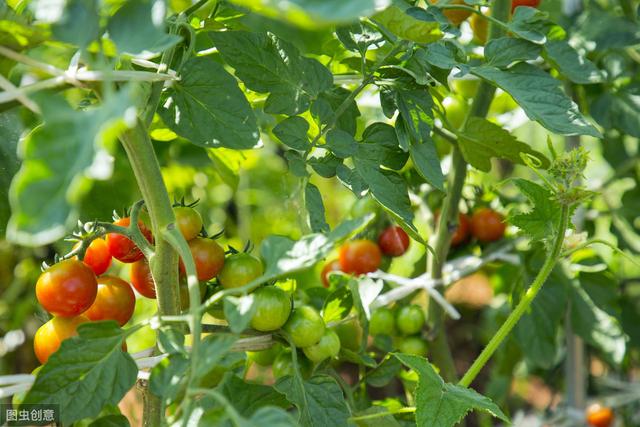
(407, 410)
(523, 305)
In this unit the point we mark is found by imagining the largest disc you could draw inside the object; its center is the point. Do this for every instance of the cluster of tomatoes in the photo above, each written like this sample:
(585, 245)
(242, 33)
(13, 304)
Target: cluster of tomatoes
(485, 225)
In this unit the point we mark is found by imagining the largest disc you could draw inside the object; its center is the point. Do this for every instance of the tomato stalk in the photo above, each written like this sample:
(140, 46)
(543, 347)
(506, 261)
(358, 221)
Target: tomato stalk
(523, 305)
(439, 349)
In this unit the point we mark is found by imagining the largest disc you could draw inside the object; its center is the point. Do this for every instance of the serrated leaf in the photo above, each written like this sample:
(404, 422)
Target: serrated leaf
(58, 159)
(482, 140)
(338, 305)
(443, 54)
(194, 109)
(548, 104)
(249, 397)
(138, 27)
(407, 26)
(541, 221)
(319, 400)
(505, 51)
(341, 143)
(380, 145)
(382, 374)
(575, 67)
(238, 311)
(325, 106)
(440, 404)
(88, 372)
(292, 131)
(268, 64)
(315, 209)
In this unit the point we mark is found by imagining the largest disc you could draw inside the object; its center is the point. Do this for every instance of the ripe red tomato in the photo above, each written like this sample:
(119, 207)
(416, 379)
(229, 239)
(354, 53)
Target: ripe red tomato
(240, 269)
(121, 247)
(333, 265)
(188, 221)
(115, 301)
(142, 280)
(67, 289)
(461, 233)
(97, 256)
(49, 336)
(360, 257)
(393, 241)
(530, 3)
(208, 256)
(599, 416)
(487, 225)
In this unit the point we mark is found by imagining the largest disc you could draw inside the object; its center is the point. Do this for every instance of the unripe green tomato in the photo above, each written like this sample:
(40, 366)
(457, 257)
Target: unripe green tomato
(305, 326)
(364, 206)
(410, 319)
(350, 334)
(382, 322)
(466, 88)
(273, 306)
(265, 357)
(283, 365)
(240, 269)
(413, 345)
(327, 347)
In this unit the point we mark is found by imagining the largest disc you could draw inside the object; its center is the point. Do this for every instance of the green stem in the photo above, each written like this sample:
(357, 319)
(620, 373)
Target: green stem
(439, 349)
(523, 305)
(407, 410)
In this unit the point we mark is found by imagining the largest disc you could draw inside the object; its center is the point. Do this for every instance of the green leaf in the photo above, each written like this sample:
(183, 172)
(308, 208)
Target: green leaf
(292, 131)
(351, 179)
(505, 51)
(171, 341)
(315, 209)
(596, 326)
(168, 378)
(138, 28)
(324, 108)
(482, 140)
(619, 110)
(442, 54)
(296, 163)
(248, 398)
(59, 158)
(79, 24)
(338, 305)
(111, 421)
(227, 164)
(380, 145)
(407, 26)
(212, 350)
(268, 64)
(541, 221)
(382, 374)
(575, 67)
(88, 372)
(17, 33)
(425, 159)
(325, 165)
(238, 311)
(440, 404)
(193, 108)
(341, 143)
(415, 107)
(10, 129)
(547, 104)
(319, 400)
(272, 417)
(530, 24)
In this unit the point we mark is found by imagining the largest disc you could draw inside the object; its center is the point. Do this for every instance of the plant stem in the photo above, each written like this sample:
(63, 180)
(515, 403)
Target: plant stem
(439, 349)
(523, 305)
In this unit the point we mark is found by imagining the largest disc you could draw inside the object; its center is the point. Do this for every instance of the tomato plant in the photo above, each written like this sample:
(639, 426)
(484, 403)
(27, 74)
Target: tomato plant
(470, 171)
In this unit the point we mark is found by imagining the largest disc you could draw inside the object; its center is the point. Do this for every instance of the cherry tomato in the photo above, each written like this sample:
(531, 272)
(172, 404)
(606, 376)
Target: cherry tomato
(455, 16)
(327, 347)
(333, 265)
(360, 257)
(208, 256)
(123, 249)
(97, 256)
(410, 319)
(466, 87)
(115, 301)
(142, 280)
(480, 27)
(382, 322)
(305, 326)
(188, 221)
(240, 269)
(265, 357)
(67, 289)
(273, 306)
(487, 225)
(283, 365)
(393, 241)
(413, 345)
(461, 232)
(530, 3)
(599, 416)
(350, 334)
(49, 336)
